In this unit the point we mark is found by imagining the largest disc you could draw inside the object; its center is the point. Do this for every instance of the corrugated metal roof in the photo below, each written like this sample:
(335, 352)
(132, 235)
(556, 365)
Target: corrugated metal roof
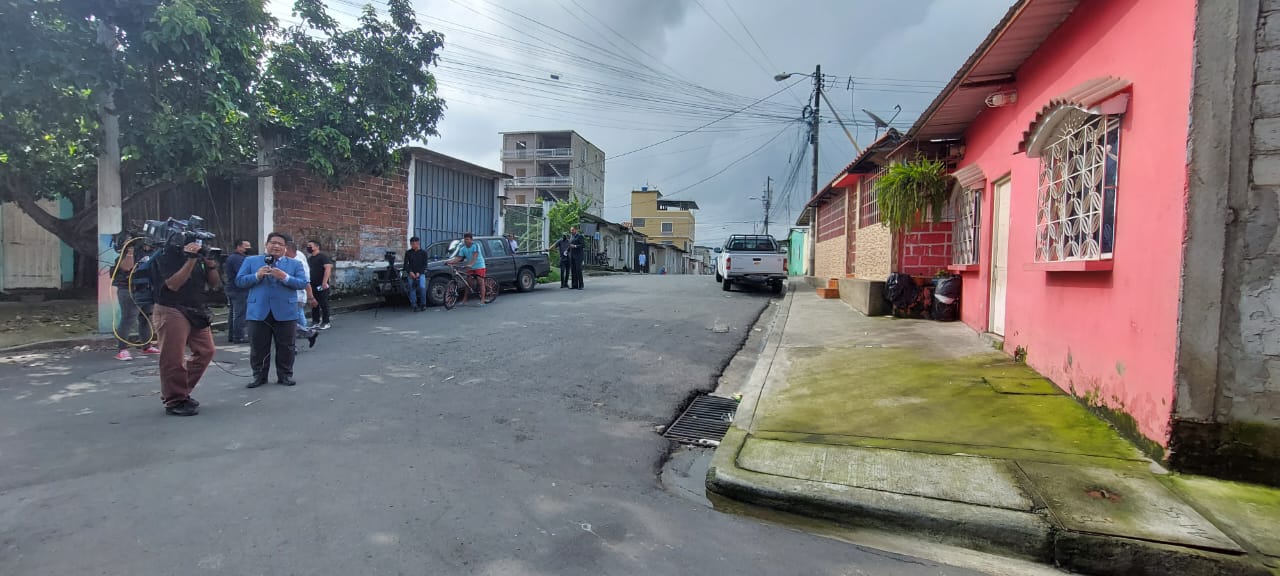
(992, 66)
(433, 157)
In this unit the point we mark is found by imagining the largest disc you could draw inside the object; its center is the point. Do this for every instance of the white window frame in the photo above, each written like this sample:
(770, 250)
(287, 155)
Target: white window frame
(668, 228)
(967, 228)
(1077, 190)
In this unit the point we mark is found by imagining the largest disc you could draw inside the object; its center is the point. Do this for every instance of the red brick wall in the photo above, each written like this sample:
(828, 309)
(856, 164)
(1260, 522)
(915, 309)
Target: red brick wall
(925, 250)
(851, 242)
(831, 217)
(359, 221)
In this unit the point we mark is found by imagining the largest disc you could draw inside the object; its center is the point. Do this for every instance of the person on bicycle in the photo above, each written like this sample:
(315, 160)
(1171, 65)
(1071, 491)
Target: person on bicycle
(468, 254)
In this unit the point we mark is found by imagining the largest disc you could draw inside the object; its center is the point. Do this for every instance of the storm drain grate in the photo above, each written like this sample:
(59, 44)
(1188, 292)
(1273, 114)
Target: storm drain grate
(705, 421)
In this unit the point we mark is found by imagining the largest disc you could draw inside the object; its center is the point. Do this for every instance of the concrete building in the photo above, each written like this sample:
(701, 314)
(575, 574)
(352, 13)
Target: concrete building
(1119, 184)
(663, 221)
(553, 166)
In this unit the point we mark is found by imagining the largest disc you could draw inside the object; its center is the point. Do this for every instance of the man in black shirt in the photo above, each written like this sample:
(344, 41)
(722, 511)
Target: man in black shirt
(415, 267)
(182, 320)
(562, 248)
(237, 298)
(321, 274)
(577, 256)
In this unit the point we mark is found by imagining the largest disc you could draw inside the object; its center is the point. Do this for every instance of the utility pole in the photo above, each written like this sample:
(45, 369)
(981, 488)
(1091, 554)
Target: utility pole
(813, 227)
(768, 198)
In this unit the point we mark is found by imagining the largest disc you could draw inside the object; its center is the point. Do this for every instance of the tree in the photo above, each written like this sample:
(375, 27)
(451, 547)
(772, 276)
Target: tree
(562, 216)
(200, 88)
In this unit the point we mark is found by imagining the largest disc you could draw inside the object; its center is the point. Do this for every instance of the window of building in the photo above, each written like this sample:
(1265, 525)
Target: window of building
(868, 209)
(521, 145)
(668, 228)
(520, 172)
(521, 199)
(637, 222)
(967, 207)
(1076, 200)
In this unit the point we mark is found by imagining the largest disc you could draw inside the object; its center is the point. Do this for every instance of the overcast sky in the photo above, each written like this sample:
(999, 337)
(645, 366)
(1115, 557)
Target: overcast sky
(631, 73)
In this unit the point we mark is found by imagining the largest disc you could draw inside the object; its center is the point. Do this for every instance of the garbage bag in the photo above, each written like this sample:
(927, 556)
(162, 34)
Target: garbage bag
(900, 290)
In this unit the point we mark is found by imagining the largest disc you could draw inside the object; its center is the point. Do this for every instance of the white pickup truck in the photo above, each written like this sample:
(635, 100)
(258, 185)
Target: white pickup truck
(751, 259)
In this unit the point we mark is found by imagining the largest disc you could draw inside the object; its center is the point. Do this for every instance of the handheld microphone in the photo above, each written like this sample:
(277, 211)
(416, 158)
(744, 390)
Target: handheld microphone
(270, 260)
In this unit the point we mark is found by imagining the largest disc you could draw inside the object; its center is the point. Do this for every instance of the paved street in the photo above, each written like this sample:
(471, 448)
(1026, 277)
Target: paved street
(512, 439)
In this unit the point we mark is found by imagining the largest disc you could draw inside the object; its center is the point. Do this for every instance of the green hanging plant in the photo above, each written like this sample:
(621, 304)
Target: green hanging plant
(908, 191)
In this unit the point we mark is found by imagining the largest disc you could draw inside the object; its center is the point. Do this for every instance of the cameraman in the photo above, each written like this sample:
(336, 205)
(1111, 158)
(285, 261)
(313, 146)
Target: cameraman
(182, 320)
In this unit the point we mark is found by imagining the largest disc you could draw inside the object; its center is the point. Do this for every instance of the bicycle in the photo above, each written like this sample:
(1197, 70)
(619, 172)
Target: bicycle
(454, 288)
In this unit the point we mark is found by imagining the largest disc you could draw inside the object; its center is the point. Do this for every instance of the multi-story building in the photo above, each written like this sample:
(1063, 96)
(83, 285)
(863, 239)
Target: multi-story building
(663, 221)
(553, 165)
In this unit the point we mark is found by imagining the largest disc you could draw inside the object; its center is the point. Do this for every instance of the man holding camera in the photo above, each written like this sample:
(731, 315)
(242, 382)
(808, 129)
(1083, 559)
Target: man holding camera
(272, 281)
(183, 321)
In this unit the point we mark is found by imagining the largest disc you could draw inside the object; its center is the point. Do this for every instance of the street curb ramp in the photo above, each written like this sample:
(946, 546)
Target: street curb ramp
(1030, 535)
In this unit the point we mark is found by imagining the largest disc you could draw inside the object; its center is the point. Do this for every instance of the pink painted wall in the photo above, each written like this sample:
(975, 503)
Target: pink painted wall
(1109, 335)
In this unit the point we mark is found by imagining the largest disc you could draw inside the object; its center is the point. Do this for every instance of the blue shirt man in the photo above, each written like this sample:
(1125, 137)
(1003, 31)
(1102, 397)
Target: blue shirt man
(272, 311)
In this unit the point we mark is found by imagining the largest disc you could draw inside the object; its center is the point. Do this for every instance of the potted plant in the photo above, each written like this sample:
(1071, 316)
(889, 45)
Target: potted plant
(912, 190)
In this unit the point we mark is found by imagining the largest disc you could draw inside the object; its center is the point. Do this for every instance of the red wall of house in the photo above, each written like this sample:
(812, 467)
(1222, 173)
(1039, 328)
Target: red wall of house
(1107, 336)
(359, 221)
(925, 250)
(831, 216)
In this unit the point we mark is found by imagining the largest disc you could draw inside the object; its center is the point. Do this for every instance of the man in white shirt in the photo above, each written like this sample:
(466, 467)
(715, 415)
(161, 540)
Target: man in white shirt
(306, 299)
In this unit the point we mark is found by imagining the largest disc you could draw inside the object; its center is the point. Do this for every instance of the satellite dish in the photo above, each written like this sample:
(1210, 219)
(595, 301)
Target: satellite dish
(880, 122)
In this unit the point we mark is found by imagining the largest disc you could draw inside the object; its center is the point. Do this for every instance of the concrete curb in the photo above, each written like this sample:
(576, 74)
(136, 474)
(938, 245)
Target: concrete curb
(1031, 535)
(1021, 534)
(99, 339)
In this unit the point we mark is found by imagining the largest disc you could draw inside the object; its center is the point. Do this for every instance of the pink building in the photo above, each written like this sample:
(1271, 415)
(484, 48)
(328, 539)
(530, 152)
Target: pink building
(1092, 229)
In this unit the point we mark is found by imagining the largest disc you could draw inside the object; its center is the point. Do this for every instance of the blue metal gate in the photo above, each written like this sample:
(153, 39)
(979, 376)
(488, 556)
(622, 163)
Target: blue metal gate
(449, 203)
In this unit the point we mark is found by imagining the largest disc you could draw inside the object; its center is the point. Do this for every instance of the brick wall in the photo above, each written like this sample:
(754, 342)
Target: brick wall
(851, 238)
(828, 260)
(359, 221)
(925, 250)
(875, 252)
(830, 217)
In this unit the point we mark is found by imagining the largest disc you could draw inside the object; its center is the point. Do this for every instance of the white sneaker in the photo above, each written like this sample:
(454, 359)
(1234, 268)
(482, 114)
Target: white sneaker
(324, 326)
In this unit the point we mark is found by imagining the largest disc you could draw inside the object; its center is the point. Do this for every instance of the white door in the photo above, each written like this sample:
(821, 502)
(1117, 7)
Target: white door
(999, 256)
(32, 255)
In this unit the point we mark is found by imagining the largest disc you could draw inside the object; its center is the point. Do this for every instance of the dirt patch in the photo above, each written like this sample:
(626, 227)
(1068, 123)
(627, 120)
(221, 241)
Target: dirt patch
(22, 323)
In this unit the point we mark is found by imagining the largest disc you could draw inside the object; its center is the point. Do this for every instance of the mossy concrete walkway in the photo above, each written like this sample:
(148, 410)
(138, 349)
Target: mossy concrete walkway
(920, 426)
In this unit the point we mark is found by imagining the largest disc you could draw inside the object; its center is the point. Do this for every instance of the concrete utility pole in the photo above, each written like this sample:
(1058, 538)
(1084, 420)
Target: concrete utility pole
(110, 220)
(813, 226)
(768, 198)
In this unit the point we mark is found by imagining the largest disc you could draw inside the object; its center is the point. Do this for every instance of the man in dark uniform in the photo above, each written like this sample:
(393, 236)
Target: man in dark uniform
(577, 256)
(562, 248)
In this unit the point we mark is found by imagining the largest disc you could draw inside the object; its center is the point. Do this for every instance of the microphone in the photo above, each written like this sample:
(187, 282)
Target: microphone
(270, 260)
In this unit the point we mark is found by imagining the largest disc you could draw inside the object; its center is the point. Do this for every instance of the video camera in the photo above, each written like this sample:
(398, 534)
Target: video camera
(179, 233)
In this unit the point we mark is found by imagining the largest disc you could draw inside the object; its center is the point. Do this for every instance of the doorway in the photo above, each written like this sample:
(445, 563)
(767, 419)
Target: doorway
(999, 256)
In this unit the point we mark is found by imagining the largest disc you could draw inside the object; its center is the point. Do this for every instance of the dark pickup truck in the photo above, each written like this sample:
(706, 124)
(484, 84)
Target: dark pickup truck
(518, 270)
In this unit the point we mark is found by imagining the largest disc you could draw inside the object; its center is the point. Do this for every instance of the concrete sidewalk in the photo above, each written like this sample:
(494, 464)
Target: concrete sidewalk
(919, 426)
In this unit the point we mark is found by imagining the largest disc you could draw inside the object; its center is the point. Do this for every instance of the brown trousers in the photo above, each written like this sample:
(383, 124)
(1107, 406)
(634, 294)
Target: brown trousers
(178, 377)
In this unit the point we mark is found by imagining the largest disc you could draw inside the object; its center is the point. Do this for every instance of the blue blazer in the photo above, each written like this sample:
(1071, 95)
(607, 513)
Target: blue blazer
(279, 298)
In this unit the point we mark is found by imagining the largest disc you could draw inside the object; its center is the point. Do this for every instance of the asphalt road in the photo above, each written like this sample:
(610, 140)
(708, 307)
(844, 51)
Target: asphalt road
(517, 438)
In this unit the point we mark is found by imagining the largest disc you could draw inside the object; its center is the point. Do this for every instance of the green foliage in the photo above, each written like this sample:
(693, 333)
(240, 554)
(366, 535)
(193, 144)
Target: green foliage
(199, 87)
(908, 191)
(561, 217)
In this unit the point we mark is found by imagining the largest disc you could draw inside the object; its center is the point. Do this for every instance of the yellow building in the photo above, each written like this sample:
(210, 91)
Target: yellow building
(663, 221)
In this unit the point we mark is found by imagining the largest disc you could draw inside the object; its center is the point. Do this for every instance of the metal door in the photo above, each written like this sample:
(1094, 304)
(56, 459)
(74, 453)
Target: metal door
(32, 255)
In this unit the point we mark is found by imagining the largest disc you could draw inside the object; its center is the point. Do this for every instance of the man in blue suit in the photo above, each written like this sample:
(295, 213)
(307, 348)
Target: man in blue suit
(273, 282)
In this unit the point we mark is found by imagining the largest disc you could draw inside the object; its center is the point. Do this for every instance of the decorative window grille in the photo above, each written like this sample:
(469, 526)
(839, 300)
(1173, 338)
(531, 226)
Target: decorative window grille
(1076, 204)
(869, 209)
(967, 209)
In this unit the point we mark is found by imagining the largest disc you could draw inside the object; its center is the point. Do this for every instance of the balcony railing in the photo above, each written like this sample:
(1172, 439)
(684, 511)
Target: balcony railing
(539, 181)
(540, 153)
